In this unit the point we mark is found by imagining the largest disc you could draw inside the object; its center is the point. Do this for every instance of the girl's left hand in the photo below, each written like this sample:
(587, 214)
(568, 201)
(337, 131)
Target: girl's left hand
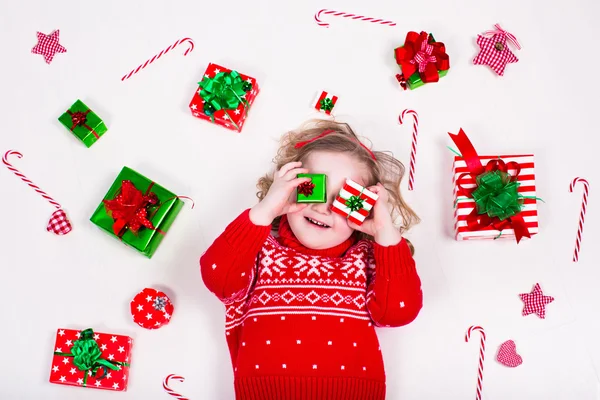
(379, 224)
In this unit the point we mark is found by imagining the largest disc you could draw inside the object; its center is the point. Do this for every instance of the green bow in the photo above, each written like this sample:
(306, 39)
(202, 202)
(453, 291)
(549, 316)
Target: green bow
(223, 92)
(354, 203)
(326, 104)
(497, 195)
(86, 356)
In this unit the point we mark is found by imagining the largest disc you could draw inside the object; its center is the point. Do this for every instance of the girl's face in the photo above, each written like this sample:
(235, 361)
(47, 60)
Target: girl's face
(338, 167)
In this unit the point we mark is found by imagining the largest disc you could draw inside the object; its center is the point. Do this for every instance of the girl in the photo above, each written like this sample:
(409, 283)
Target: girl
(301, 306)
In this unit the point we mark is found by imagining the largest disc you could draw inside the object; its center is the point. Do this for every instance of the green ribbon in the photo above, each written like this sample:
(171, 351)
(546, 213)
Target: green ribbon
(86, 356)
(497, 195)
(223, 92)
(326, 104)
(354, 203)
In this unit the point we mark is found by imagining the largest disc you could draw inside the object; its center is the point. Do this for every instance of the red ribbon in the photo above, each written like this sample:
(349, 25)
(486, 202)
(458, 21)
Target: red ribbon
(421, 54)
(129, 208)
(477, 221)
(79, 118)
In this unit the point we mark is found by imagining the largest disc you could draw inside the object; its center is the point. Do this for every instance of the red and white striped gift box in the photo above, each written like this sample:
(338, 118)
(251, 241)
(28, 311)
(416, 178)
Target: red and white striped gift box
(322, 96)
(350, 189)
(464, 205)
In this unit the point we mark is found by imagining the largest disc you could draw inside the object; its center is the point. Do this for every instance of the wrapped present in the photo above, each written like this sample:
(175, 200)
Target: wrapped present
(422, 60)
(313, 191)
(325, 102)
(354, 202)
(494, 195)
(224, 97)
(151, 309)
(137, 211)
(93, 360)
(84, 123)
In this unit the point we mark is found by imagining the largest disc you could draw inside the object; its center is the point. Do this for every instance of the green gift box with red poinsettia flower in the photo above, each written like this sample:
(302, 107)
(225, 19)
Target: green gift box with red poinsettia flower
(137, 211)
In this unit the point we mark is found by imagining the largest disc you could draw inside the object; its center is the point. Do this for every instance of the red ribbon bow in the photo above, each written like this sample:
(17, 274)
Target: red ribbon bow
(306, 188)
(129, 208)
(421, 54)
(477, 221)
(79, 118)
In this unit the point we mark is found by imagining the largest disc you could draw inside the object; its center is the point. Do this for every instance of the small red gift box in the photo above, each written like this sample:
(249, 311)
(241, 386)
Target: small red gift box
(224, 97)
(89, 359)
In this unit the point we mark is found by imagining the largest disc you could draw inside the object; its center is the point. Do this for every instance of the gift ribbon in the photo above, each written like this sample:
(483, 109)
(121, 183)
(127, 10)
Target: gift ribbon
(499, 31)
(306, 188)
(326, 104)
(224, 91)
(418, 54)
(79, 118)
(498, 204)
(87, 356)
(424, 56)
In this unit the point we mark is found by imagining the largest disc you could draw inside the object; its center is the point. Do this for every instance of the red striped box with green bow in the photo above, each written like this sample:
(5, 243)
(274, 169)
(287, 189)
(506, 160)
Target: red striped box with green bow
(90, 359)
(494, 196)
(354, 202)
(224, 97)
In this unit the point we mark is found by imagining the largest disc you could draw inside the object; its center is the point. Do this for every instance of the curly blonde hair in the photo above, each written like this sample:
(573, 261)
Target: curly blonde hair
(385, 169)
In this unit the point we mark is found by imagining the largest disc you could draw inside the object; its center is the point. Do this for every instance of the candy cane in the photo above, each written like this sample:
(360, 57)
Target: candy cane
(481, 355)
(352, 16)
(586, 189)
(413, 147)
(169, 390)
(59, 222)
(157, 56)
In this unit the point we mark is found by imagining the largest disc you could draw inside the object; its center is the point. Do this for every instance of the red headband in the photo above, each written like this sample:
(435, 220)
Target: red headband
(325, 133)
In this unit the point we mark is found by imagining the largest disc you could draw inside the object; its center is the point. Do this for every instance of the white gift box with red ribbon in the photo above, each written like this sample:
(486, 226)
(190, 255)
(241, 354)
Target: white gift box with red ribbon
(349, 190)
(324, 95)
(465, 205)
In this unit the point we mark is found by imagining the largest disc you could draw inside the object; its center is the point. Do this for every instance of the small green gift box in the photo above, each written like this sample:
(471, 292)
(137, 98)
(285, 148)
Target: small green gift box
(84, 123)
(313, 191)
(137, 211)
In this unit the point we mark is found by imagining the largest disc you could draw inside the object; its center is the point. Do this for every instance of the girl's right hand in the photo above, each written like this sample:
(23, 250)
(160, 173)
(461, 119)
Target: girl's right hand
(278, 200)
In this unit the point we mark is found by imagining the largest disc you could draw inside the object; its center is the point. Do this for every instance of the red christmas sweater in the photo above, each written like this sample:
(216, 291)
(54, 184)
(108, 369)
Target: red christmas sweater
(300, 323)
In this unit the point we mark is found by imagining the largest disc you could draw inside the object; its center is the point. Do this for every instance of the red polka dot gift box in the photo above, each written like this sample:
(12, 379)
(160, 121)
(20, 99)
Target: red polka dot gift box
(91, 359)
(224, 97)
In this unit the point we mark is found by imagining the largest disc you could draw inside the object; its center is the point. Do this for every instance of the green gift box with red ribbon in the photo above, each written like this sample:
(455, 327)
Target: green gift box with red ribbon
(90, 359)
(85, 124)
(137, 211)
(494, 196)
(224, 97)
(422, 60)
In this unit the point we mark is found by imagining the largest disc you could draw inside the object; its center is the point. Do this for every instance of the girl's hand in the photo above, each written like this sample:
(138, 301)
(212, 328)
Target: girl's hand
(278, 200)
(379, 224)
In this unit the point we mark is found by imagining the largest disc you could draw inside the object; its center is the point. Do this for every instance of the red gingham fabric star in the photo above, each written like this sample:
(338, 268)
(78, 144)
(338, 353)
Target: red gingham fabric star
(48, 46)
(59, 223)
(494, 52)
(507, 354)
(535, 302)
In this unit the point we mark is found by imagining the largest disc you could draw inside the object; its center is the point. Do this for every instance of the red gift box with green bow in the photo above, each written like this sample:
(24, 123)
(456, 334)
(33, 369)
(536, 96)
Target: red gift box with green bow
(91, 359)
(224, 97)
(494, 196)
(422, 59)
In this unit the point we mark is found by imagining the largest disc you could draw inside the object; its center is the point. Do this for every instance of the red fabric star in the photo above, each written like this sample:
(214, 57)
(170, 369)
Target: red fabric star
(494, 52)
(48, 45)
(535, 302)
(129, 209)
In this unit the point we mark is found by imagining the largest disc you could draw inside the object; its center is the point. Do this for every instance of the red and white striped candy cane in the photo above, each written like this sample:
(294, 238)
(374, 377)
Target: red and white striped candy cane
(586, 189)
(25, 179)
(157, 56)
(481, 355)
(169, 390)
(351, 16)
(413, 146)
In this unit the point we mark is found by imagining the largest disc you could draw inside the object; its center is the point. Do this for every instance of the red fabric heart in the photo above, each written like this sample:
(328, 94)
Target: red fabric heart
(59, 223)
(507, 354)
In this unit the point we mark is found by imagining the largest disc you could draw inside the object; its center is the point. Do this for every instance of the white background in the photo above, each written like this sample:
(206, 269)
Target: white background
(545, 104)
